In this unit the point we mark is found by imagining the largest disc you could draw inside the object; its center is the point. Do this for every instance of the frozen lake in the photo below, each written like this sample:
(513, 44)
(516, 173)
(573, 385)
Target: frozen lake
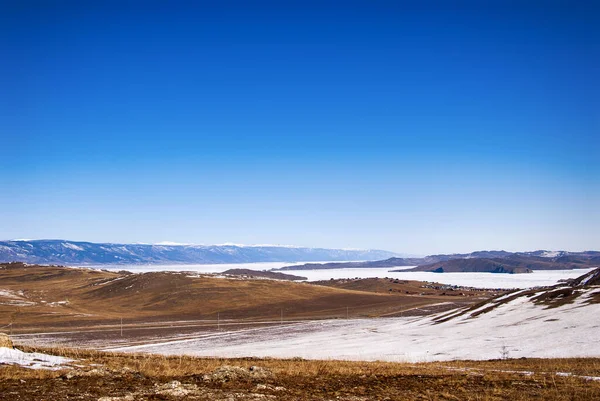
(481, 280)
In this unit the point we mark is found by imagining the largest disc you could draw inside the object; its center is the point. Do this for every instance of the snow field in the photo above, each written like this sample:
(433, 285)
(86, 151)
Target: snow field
(514, 329)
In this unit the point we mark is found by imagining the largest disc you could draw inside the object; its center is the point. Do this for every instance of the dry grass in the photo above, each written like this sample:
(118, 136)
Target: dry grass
(58, 298)
(576, 366)
(314, 380)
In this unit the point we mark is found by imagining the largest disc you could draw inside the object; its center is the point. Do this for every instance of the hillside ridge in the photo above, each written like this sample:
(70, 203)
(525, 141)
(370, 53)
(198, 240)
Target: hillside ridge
(90, 253)
(481, 261)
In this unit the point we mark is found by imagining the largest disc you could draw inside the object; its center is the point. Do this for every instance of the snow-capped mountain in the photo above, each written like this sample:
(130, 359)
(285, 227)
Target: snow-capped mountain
(72, 252)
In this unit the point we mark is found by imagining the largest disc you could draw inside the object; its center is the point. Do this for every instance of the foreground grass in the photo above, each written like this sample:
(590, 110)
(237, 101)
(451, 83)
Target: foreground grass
(140, 376)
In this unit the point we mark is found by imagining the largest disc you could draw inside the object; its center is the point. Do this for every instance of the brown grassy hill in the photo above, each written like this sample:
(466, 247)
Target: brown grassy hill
(249, 273)
(410, 287)
(514, 263)
(476, 265)
(42, 297)
(481, 261)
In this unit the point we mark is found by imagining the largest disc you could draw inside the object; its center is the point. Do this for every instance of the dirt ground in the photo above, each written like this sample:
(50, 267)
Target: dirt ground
(105, 377)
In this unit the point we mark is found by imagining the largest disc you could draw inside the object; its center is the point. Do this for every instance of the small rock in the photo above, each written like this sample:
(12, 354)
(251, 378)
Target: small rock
(228, 373)
(128, 397)
(262, 386)
(260, 373)
(176, 389)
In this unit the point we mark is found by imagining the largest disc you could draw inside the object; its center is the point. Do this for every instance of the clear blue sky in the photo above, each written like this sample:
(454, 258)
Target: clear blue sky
(416, 127)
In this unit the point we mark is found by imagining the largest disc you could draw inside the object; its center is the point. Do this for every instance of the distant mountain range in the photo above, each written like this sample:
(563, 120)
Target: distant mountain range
(481, 261)
(515, 263)
(89, 253)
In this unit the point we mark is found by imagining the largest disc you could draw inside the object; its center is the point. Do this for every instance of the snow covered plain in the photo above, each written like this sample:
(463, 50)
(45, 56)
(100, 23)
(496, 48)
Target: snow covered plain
(518, 328)
(480, 280)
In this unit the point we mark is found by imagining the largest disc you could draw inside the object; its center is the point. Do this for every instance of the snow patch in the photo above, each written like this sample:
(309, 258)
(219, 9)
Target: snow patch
(259, 245)
(11, 294)
(72, 246)
(550, 254)
(31, 360)
(15, 298)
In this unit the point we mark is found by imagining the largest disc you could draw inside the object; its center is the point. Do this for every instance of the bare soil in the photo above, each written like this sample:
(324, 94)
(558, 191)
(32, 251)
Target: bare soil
(104, 377)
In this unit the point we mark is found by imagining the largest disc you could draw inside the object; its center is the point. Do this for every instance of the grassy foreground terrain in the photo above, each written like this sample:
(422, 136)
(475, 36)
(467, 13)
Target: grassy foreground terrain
(126, 377)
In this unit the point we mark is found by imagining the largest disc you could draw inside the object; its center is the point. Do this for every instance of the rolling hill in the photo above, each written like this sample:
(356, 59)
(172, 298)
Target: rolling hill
(551, 322)
(515, 263)
(44, 297)
(482, 261)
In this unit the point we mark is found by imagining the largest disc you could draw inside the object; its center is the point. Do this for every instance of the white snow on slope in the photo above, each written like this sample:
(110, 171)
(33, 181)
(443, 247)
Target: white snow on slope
(11, 294)
(32, 360)
(520, 327)
(14, 298)
(72, 246)
(589, 277)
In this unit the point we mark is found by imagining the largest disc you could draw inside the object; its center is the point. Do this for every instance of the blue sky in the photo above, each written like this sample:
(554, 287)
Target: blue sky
(416, 127)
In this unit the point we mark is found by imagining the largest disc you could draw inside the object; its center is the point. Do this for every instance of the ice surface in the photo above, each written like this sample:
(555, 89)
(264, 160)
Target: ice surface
(198, 268)
(480, 280)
